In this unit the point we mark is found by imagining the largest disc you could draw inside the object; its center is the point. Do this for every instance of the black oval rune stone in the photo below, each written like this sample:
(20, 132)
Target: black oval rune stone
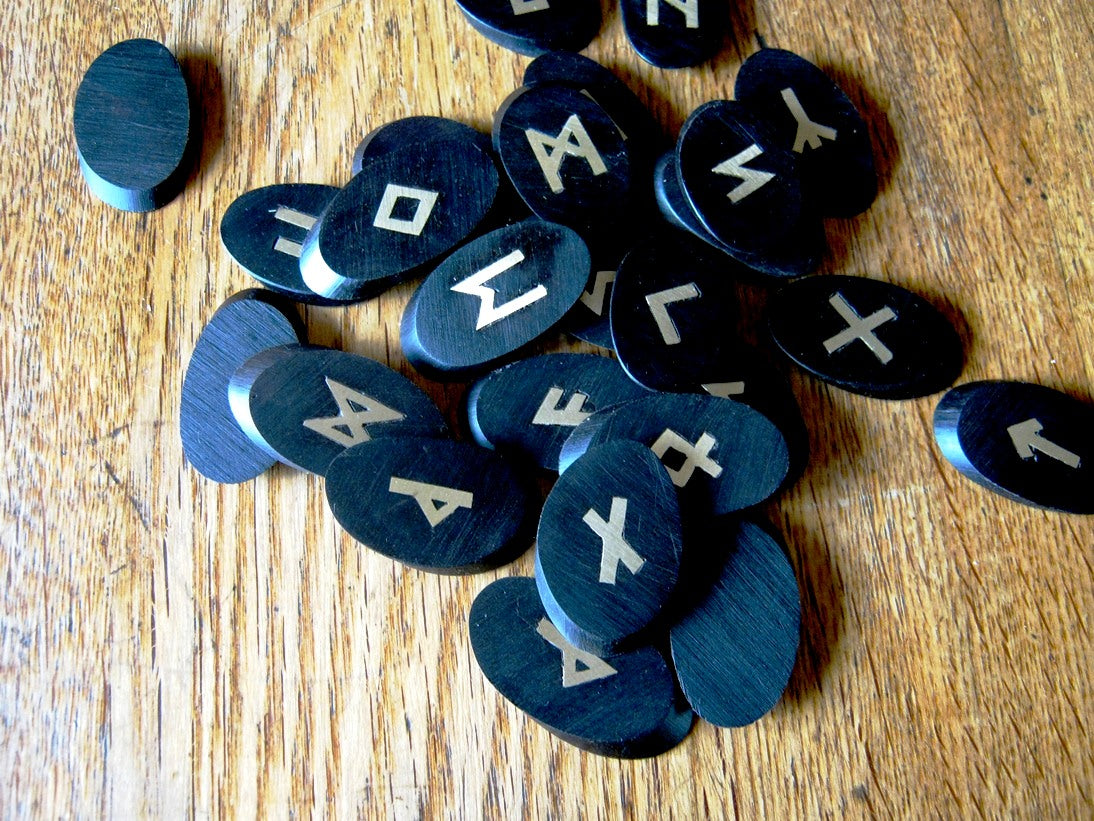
(673, 300)
(1027, 442)
(528, 408)
(246, 324)
(744, 188)
(866, 336)
(625, 706)
(643, 133)
(608, 547)
(264, 231)
(306, 405)
(132, 121)
(812, 116)
(734, 648)
(722, 455)
(403, 210)
(531, 27)
(493, 296)
(674, 34)
(566, 157)
(433, 504)
(393, 136)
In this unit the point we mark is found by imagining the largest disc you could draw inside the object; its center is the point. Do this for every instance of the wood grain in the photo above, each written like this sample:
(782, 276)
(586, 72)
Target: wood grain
(172, 647)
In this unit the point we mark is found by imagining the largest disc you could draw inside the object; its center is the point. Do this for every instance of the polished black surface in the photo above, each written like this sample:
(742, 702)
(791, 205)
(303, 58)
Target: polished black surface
(625, 706)
(673, 310)
(394, 135)
(608, 547)
(246, 324)
(722, 455)
(531, 27)
(813, 117)
(305, 405)
(433, 504)
(133, 126)
(529, 407)
(734, 646)
(404, 210)
(589, 319)
(642, 131)
(263, 229)
(745, 189)
(674, 33)
(568, 159)
(1028, 442)
(866, 335)
(492, 297)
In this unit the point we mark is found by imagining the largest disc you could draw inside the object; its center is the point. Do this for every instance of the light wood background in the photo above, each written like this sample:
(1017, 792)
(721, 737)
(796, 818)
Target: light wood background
(168, 646)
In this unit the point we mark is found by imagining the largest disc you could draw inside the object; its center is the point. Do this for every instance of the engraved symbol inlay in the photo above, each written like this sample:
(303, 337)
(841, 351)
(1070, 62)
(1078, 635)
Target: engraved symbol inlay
(593, 668)
(695, 455)
(549, 413)
(385, 214)
(689, 8)
(573, 140)
(475, 285)
(751, 179)
(292, 217)
(595, 299)
(355, 411)
(859, 328)
(527, 6)
(436, 501)
(659, 303)
(614, 548)
(1027, 438)
(808, 133)
(725, 389)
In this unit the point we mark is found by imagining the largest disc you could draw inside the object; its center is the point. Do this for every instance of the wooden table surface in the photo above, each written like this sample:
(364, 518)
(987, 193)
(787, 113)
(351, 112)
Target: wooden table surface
(170, 646)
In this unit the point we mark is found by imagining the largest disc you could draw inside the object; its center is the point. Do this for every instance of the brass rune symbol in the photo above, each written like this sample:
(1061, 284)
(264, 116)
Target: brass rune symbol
(355, 410)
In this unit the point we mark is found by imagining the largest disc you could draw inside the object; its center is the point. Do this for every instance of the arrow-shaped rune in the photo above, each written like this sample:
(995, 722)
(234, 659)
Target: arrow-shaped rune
(1027, 438)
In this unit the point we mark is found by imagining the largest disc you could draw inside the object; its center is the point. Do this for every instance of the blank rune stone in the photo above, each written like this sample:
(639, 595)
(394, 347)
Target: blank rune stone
(396, 134)
(132, 121)
(433, 504)
(246, 324)
(529, 407)
(674, 33)
(866, 336)
(264, 230)
(744, 188)
(673, 301)
(305, 405)
(734, 648)
(1027, 442)
(531, 27)
(722, 455)
(812, 116)
(625, 706)
(567, 158)
(402, 211)
(493, 296)
(608, 547)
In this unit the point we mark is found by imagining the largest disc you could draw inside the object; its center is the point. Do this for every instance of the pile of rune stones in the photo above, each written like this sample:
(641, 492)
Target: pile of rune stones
(657, 593)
